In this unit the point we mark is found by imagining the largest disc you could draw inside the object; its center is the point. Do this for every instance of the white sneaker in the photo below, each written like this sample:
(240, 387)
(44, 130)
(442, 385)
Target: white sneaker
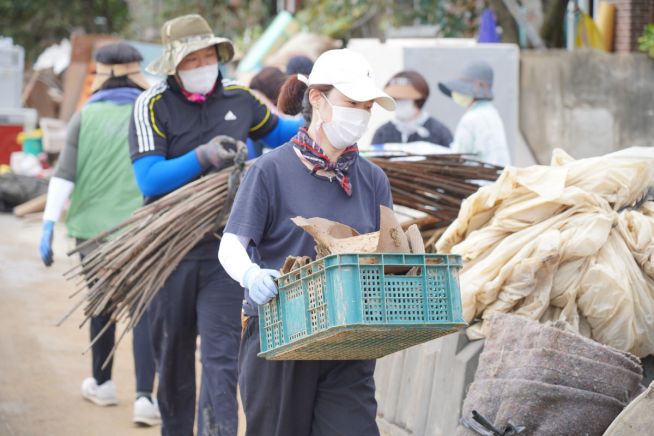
(146, 412)
(103, 395)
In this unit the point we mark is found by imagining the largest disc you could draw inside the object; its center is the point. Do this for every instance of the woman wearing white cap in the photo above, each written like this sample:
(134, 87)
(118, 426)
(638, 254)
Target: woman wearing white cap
(319, 173)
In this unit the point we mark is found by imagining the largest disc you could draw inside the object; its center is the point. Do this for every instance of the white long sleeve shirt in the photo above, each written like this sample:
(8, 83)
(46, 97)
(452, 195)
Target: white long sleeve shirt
(481, 132)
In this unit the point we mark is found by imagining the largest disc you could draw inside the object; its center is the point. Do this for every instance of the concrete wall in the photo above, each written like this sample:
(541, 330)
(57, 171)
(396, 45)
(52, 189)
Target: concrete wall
(420, 390)
(586, 102)
(438, 60)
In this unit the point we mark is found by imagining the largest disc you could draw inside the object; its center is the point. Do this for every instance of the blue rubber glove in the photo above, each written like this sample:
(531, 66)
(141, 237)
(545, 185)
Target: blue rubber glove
(260, 283)
(46, 242)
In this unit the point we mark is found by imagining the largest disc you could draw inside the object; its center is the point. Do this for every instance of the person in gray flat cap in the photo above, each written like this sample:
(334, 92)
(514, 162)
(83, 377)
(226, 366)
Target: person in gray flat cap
(480, 131)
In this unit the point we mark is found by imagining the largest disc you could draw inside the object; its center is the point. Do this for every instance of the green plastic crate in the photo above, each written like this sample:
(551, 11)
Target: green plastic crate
(361, 306)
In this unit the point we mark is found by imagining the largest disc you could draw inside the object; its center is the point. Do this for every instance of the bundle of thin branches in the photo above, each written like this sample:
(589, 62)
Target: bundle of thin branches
(435, 185)
(135, 258)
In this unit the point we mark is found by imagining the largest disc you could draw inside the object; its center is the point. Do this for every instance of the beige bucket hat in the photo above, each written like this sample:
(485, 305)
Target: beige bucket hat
(186, 34)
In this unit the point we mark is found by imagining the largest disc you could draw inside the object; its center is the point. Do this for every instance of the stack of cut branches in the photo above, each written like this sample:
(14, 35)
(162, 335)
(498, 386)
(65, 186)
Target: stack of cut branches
(435, 185)
(123, 274)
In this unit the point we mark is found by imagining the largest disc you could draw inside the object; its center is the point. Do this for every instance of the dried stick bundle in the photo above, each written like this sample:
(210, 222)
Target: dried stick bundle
(435, 185)
(124, 273)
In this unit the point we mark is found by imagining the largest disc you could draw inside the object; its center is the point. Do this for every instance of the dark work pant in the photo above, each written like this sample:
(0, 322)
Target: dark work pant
(305, 398)
(144, 367)
(101, 349)
(198, 297)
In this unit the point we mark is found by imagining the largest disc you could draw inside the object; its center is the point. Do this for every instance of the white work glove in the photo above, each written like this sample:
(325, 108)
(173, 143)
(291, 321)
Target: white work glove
(260, 284)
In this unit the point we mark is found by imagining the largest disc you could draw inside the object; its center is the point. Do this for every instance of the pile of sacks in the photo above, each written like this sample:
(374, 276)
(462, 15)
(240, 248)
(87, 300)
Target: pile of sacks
(544, 380)
(573, 241)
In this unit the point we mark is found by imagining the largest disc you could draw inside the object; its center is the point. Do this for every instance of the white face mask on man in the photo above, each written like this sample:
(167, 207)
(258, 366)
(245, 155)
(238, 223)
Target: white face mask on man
(199, 80)
(347, 126)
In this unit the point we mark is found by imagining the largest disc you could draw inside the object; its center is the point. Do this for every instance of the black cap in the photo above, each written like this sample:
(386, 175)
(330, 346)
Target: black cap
(117, 53)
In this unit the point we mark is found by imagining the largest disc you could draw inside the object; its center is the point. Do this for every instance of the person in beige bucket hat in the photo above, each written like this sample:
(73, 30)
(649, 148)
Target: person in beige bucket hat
(184, 35)
(191, 123)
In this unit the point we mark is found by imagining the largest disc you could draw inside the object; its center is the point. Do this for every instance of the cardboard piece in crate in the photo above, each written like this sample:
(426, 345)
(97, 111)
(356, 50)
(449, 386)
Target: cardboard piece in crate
(333, 238)
(357, 303)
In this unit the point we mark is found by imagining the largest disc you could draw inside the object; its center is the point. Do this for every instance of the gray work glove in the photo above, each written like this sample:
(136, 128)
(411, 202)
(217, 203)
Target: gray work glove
(220, 152)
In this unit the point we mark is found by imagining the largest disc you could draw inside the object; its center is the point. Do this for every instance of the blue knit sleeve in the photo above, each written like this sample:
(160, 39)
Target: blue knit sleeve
(156, 175)
(285, 129)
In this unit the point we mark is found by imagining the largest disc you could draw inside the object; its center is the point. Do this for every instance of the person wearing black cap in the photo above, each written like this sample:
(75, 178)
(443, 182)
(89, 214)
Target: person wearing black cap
(480, 131)
(299, 64)
(411, 123)
(94, 171)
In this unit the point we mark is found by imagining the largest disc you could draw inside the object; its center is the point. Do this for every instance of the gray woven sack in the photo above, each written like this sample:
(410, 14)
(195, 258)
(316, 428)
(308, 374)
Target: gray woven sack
(542, 408)
(564, 369)
(549, 380)
(512, 332)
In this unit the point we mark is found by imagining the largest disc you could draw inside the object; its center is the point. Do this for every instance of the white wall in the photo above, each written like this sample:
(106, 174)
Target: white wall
(443, 59)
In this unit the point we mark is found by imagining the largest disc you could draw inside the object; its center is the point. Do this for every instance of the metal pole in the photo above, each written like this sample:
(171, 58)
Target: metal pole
(596, 8)
(570, 28)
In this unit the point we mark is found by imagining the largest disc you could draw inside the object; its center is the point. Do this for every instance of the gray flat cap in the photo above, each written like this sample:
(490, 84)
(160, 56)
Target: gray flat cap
(475, 81)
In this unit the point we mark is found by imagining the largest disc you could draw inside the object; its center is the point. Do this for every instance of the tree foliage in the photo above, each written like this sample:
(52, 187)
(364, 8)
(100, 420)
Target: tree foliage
(243, 21)
(364, 18)
(35, 24)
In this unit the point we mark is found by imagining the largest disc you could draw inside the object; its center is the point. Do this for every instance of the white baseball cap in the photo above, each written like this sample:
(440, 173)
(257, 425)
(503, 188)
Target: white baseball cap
(350, 73)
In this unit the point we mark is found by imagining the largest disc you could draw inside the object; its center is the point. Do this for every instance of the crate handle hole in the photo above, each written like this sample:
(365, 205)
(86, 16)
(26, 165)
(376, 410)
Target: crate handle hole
(402, 270)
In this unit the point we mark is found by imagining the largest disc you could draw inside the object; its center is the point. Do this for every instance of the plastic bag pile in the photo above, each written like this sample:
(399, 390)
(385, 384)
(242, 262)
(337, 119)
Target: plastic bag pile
(573, 241)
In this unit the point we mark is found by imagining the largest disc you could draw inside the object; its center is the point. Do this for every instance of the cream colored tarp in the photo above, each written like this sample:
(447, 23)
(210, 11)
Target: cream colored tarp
(561, 242)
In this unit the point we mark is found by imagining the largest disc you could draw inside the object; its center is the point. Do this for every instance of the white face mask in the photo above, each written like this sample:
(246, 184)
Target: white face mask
(347, 125)
(405, 110)
(199, 80)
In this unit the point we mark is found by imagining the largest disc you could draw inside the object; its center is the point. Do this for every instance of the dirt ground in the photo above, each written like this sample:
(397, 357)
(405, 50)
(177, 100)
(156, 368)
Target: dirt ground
(41, 365)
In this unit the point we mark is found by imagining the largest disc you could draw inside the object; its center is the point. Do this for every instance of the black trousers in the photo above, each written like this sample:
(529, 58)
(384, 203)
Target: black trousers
(198, 297)
(144, 367)
(305, 398)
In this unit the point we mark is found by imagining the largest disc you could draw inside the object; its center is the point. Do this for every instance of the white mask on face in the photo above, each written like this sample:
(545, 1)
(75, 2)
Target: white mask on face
(405, 110)
(347, 125)
(199, 80)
